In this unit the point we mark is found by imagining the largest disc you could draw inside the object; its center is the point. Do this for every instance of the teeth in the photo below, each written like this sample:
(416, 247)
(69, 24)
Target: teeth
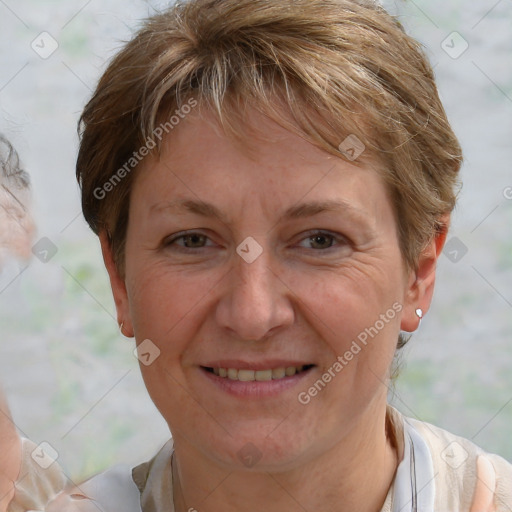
(278, 373)
(262, 375)
(258, 375)
(244, 375)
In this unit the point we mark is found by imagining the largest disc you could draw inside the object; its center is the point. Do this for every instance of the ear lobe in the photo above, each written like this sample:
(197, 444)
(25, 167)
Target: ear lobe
(420, 288)
(118, 286)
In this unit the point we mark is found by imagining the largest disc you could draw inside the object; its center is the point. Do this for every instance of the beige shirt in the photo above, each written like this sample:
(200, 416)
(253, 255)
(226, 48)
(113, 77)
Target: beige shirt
(450, 474)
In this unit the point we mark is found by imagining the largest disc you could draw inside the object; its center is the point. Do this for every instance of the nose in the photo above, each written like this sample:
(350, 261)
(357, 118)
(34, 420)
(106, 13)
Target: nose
(255, 299)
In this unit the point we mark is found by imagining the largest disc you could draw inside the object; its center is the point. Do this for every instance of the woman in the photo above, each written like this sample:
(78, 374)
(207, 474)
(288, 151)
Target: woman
(272, 183)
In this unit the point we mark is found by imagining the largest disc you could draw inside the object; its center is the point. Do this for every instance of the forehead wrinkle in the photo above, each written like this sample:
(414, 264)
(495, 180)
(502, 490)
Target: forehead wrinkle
(193, 206)
(299, 211)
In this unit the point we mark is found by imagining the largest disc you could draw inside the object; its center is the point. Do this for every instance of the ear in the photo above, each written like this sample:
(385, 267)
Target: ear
(420, 288)
(118, 286)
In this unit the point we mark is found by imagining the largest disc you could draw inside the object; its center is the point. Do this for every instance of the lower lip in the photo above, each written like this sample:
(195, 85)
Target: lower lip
(256, 389)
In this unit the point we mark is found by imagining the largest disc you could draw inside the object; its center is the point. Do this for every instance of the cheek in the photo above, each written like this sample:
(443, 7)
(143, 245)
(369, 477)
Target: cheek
(356, 313)
(163, 308)
(348, 300)
(167, 305)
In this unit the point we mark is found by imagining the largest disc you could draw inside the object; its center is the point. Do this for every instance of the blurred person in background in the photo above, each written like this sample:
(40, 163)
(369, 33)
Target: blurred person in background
(16, 233)
(16, 225)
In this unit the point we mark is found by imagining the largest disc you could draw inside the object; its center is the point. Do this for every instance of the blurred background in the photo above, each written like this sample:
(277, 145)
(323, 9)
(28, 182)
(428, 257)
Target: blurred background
(73, 381)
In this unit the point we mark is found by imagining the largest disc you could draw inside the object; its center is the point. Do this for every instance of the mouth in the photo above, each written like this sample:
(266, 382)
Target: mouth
(264, 375)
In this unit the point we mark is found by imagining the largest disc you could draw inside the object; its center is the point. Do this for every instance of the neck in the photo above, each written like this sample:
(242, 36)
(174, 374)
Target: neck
(355, 474)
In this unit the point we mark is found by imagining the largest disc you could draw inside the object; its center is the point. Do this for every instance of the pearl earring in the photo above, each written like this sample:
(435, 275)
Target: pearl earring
(419, 313)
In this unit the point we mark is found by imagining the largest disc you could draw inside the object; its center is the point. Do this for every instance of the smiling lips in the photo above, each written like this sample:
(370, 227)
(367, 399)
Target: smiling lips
(246, 375)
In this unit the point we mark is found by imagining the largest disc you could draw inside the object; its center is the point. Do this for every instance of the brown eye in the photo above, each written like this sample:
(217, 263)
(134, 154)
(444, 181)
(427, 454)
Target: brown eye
(321, 241)
(186, 241)
(194, 241)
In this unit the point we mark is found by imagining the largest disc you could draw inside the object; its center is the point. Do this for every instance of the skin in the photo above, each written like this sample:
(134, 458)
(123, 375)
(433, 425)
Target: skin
(10, 449)
(198, 301)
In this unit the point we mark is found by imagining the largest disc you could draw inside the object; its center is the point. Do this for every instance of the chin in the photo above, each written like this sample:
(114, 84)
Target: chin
(264, 447)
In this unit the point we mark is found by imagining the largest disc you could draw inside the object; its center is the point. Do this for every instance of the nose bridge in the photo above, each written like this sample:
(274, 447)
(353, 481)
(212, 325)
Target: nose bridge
(253, 302)
(254, 278)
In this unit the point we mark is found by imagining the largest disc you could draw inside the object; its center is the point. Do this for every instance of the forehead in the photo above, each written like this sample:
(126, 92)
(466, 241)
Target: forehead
(201, 163)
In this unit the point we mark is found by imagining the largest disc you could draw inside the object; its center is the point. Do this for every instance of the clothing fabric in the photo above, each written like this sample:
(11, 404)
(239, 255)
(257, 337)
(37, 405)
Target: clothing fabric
(438, 472)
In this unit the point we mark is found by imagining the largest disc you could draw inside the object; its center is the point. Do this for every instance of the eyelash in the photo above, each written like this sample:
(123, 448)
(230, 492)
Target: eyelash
(341, 240)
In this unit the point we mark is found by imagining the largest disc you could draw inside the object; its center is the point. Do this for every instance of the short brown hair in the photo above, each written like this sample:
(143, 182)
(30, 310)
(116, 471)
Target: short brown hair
(337, 68)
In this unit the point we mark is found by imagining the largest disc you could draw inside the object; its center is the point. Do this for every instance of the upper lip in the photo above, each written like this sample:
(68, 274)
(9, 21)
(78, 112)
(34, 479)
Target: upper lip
(255, 365)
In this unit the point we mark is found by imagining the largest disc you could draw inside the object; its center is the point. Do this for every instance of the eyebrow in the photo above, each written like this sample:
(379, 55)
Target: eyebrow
(303, 210)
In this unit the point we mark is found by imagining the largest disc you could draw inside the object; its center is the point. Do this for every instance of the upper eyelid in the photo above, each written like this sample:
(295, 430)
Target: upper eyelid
(178, 236)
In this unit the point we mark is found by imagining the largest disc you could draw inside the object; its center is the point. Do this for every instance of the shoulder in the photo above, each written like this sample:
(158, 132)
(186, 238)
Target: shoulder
(464, 472)
(42, 485)
(154, 478)
(113, 490)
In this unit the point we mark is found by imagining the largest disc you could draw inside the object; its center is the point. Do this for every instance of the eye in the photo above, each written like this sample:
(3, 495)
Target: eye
(321, 240)
(317, 240)
(191, 240)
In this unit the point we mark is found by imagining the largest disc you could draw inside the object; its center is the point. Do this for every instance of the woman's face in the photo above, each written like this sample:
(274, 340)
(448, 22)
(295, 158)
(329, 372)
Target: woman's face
(260, 265)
